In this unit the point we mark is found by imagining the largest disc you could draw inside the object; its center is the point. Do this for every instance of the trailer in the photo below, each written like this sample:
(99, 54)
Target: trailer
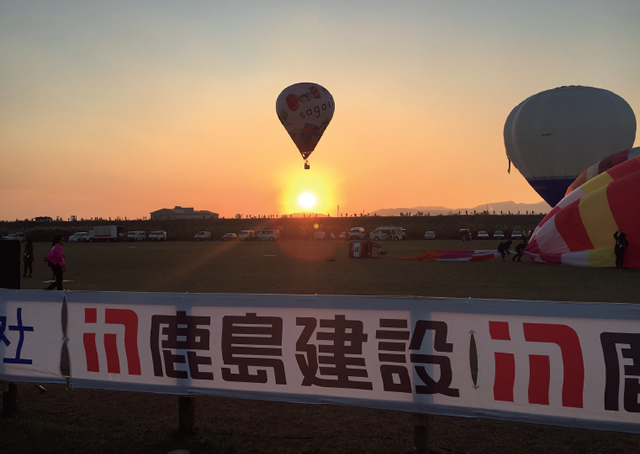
(108, 233)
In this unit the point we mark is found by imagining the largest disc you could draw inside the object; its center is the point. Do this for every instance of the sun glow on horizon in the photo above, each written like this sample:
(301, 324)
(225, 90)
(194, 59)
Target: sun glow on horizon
(307, 200)
(309, 192)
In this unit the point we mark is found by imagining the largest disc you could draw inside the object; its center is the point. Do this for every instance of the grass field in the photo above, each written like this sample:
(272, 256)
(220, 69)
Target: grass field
(307, 267)
(88, 421)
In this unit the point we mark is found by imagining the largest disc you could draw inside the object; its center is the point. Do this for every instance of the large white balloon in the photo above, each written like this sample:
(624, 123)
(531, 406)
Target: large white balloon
(553, 136)
(305, 110)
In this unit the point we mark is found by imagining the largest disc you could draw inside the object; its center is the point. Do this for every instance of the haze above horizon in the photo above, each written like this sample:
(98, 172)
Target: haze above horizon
(120, 109)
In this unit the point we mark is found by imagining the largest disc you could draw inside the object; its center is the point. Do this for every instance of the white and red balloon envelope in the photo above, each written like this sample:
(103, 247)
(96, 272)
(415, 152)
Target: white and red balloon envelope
(305, 110)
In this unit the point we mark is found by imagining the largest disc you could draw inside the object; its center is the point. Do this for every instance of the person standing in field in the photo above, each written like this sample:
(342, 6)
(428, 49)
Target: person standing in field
(27, 257)
(503, 248)
(55, 258)
(621, 245)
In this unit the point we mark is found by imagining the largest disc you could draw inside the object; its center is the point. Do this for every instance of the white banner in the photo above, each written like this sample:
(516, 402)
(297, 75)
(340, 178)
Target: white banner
(30, 336)
(455, 357)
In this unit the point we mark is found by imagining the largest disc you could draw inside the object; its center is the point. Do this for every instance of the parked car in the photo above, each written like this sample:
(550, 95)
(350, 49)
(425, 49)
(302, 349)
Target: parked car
(158, 235)
(356, 233)
(78, 237)
(483, 235)
(343, 236)
(319, 236)
(16, 236)
(271, 235)
(386, 233)
(516, 235)
(136, 235)
(498, 235)
(203, 235)
(246, 235)
(429, 235)
(464, 234)
(229, 237)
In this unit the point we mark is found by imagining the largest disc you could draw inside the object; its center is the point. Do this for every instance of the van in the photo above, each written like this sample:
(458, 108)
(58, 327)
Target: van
(386, 233)
(202, 235)
(158, 235)
(136, 235)
(77, 237)
(246, 235)
(271, 235)
(356, 233)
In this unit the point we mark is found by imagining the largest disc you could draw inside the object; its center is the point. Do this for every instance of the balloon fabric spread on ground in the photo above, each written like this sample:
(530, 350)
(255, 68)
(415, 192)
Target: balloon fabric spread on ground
(305, 110)
(470, 255)
(554, 135)
(579, 230)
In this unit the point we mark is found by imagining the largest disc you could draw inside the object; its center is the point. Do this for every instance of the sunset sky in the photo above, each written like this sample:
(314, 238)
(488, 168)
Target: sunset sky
(120, 108)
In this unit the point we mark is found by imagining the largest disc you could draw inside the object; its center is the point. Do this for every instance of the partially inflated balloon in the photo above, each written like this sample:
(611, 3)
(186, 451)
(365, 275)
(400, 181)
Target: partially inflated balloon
(305, 110)
(602, 166)
(579, 230)
(553, 136)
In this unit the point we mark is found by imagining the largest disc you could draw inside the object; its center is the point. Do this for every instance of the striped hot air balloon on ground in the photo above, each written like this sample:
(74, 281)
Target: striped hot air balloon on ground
(603, 165)
(579, 230)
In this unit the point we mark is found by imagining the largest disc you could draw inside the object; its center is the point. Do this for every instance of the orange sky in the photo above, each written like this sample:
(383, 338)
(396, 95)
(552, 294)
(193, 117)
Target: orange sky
(124, 109)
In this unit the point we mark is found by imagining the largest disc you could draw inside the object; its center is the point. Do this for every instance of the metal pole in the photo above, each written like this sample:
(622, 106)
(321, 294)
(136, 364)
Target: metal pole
(420, 433)
(187, 415)
(9, 399)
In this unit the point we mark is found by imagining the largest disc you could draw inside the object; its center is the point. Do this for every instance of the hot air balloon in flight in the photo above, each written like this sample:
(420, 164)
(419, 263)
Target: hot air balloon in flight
(305, 110)
(601, 166)
(554, 135)
(579, 230)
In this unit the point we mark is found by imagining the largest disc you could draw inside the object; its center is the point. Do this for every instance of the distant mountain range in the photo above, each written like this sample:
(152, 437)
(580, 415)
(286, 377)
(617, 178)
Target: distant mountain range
(499, 207)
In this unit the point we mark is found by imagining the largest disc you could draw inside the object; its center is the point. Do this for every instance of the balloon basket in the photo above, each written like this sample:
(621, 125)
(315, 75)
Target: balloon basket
(364, 250)
(306, 166)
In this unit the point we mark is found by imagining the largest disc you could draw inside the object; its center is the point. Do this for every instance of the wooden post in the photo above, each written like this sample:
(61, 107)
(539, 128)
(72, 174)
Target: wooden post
(420, 433)
(9, 278)
(9, 399)
(187, 415)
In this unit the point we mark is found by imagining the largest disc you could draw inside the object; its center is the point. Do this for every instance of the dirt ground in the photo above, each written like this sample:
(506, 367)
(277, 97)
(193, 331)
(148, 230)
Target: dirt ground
(80, 421)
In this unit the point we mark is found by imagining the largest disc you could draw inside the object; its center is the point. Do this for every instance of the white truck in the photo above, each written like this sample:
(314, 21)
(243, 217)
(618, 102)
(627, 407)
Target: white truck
(108, 233)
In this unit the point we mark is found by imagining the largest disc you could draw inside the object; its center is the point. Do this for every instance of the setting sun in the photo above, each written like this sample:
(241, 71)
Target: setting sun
(307, 200)
(305, 192)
